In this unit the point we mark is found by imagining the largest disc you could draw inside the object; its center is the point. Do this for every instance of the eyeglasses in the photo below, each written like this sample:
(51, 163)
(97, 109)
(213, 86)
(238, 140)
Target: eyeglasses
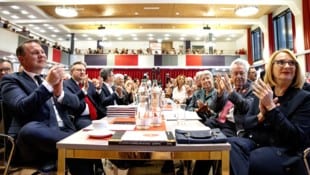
(80, 70)
(282, 63)
(5, 70)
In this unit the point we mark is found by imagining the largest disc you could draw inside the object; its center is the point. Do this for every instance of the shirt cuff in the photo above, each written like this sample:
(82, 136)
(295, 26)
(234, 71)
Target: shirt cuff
(48, 86)
(61, 97)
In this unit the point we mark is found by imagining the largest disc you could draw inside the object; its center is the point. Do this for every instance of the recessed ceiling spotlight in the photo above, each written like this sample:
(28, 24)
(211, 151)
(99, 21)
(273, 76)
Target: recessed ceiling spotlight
(32, 17)
(136, 13)
(177, 13)
(24, 12)
(6, 12)
(15, 7)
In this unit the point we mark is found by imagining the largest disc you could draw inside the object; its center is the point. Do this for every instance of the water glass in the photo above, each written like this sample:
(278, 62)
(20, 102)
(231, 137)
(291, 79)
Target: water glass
(181, 114)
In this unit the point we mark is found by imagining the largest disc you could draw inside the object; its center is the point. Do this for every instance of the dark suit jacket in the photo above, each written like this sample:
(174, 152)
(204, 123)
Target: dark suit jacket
(287, 126)
(93, 96)
(107, 99)
(242, 104)
(27, 102)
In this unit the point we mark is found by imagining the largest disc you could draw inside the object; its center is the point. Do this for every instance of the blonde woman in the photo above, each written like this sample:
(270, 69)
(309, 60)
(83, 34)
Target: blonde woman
(179, 91)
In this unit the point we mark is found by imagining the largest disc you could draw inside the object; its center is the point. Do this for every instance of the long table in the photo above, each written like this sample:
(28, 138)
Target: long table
(79, 145)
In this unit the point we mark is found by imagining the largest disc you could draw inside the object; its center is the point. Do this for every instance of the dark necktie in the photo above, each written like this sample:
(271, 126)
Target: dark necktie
(39, 79)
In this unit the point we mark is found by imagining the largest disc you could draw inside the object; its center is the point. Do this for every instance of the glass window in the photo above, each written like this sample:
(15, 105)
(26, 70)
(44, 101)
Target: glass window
(257, 49)
(283, 28)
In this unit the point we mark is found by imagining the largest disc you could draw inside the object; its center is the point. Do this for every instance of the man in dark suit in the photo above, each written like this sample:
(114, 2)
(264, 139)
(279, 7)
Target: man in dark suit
(109, 96)
(86, 92)
(39, 108)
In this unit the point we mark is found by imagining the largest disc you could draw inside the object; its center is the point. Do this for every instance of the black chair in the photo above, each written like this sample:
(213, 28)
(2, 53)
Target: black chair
(8, 148)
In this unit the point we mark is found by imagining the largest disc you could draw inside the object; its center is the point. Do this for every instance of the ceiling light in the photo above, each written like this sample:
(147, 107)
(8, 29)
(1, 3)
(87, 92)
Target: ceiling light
(151, 8)
(246, 10)
(66, 11)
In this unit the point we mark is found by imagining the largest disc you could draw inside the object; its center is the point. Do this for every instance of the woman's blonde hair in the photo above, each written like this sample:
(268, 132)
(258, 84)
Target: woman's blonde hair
(298, 80)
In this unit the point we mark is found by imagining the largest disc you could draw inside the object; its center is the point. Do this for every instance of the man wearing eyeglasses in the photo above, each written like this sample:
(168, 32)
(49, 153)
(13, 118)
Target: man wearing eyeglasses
(6, 67)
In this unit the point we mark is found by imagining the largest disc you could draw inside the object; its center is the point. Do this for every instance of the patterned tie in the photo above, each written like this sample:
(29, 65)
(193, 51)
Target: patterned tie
(222, 115)
(91, 107)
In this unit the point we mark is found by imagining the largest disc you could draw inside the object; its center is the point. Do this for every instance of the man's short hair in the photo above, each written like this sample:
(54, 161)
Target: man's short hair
(2, 60)
(20, 51)
(105, 73)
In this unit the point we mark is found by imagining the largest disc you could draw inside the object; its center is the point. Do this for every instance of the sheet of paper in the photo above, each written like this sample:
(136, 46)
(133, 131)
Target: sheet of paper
(144, 136)
(189, 115)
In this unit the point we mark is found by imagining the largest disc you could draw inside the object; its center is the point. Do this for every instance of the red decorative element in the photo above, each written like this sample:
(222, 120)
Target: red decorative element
(306, 14)
(126, 60)
(56, 55)
(249, 45)
(223, 114)
(91, 107)
(193, 60)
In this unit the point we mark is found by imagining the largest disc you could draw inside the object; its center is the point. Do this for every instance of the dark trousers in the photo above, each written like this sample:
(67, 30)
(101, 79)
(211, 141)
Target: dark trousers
(36, 142)
(228, 128)
(247, 159)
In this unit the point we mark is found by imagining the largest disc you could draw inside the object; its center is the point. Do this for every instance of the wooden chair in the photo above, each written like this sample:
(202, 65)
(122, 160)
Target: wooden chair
(306, 154)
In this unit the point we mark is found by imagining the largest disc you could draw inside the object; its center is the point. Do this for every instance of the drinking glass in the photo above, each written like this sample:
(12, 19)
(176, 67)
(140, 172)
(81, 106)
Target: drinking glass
(181, 114)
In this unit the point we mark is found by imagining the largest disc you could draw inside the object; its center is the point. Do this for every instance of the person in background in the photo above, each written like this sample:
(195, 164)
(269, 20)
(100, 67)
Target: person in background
(107, 95)
(179, 91)
(6, 67)
(197, 80)
(233, 101)
(252, 74)
(202, 99)
(278, 129)
(85, 90)
(38, 109)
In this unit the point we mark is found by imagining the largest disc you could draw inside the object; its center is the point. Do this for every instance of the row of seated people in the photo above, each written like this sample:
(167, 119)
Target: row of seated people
(266, 121)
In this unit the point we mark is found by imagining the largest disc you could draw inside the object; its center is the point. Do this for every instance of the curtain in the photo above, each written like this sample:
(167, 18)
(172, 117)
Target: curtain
(306, 14)
(271, 34)
(249, 43)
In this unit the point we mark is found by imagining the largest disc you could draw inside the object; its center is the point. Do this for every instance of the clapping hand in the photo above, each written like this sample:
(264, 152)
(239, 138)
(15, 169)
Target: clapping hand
(223, 84)
(55, 75)
(85, 82)
(265, 94)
